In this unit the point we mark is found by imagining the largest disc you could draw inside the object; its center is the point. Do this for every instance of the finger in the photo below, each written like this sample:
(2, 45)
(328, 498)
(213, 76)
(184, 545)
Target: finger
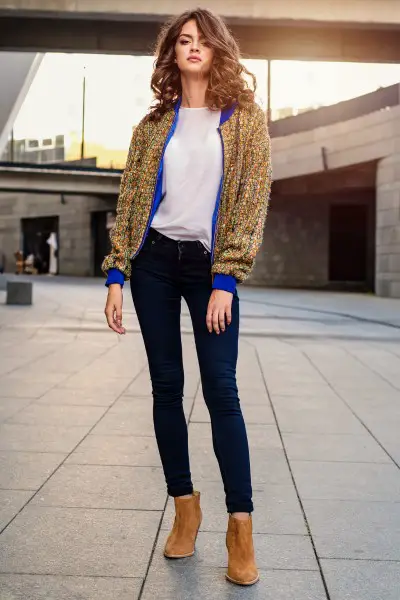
(118, 316)
(209, 318)
(221, 319)
(228, 314)
(118, 324)
(112, 322)
(215, 321)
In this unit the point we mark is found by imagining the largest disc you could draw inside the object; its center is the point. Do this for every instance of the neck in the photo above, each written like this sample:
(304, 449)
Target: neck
(193, 92)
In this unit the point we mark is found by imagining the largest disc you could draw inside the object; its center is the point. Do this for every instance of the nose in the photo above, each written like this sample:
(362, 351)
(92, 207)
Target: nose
(195, 46)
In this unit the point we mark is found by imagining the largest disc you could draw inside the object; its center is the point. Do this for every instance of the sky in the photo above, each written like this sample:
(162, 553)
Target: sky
(118, 92)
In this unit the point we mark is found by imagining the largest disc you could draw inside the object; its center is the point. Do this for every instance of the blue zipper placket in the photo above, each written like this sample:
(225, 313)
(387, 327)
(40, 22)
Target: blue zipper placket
(157, 195)
(218, 201)
(225, 115)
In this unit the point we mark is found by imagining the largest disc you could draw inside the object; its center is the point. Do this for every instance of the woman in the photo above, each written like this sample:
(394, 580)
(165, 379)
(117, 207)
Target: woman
(190, 220)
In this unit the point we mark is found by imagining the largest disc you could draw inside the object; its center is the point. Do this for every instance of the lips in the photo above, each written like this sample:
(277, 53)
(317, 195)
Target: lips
(194, 59)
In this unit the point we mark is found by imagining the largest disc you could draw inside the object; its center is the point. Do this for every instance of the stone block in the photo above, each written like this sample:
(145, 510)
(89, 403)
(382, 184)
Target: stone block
(62, 416)
(382, 288)
(362, 579)
(395, 289)
(16, 437)
(10, 406)
(131, 417)
(3, 282)
(76, 541)
(359, 154)
(76, 397)
(11, 502)
(305, 416)
(333, 447)
(347, 481)
(27, 470)
(388, 199)
(383, 263)
(388, 217)
(208, 584)
(394, 263)
(19, 292)
(359, 530)
(100, 486)
(12, 387)
(116, 450)
(40, 587)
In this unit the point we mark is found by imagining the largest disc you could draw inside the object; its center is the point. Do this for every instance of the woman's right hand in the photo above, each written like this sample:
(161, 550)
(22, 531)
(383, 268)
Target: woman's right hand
(113, 309)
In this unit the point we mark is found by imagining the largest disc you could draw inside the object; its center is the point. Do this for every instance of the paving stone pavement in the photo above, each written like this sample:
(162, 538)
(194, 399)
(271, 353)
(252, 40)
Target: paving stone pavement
(83, 508)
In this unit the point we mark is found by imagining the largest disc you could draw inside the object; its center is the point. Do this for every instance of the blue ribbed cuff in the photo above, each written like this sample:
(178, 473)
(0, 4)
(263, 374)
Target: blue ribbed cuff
(115, 276)
(224, 282)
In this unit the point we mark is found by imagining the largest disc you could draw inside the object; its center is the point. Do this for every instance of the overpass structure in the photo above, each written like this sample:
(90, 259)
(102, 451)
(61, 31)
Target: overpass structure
(57, 179)
(360, 30)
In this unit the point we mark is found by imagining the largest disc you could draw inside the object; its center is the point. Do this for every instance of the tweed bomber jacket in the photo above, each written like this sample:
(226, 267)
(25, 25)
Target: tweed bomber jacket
(241, 206)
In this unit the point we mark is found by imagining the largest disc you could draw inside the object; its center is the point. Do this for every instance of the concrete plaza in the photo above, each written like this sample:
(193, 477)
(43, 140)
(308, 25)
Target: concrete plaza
(83, 508)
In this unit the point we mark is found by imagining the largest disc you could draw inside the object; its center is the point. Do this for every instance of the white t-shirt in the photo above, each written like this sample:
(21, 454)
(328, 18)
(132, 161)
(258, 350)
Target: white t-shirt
(191, 177)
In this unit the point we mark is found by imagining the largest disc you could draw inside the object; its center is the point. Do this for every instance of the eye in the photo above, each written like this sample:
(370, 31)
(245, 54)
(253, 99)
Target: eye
(184, 42)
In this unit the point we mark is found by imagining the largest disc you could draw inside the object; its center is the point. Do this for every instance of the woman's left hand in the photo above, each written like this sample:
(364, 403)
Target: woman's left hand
(219, 312)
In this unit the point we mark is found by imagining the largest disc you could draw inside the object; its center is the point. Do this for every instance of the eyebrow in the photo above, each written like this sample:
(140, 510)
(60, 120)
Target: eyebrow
(188, 35)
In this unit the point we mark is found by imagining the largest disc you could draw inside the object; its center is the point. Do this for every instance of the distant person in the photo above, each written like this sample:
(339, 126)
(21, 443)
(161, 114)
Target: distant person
(190, 221)
(19, 262)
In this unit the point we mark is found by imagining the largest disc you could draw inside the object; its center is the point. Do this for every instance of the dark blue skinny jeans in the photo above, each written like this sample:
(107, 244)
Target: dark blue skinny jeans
(163, 273)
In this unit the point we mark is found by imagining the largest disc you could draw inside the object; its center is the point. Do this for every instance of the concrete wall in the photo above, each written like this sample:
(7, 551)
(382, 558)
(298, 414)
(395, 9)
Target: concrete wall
(332, 11)
(295, 252)
(371, 137)
(75, 253)
(367, 138)
(388, 227)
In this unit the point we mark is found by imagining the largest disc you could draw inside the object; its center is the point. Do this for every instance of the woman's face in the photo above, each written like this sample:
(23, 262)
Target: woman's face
(193, 55)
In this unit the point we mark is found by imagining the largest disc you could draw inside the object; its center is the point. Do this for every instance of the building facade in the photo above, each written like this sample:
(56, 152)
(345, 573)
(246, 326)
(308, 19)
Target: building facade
(334, 218)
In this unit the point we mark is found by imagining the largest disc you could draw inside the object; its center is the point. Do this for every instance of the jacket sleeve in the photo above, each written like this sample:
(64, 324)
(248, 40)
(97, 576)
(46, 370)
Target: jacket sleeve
(245, 236)
(119, 257)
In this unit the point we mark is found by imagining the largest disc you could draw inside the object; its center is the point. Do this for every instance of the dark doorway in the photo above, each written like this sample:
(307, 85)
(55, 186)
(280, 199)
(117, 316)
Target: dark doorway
(102, 222)
(35, 233)
(348, 244)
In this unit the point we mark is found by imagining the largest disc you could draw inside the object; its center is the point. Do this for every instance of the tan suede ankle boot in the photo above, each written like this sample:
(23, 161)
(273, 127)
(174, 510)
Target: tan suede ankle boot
(182, 539)
(242, 567)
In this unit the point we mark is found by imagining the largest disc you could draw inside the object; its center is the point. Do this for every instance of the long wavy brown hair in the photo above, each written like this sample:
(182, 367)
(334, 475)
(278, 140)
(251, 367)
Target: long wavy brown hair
(227, 84)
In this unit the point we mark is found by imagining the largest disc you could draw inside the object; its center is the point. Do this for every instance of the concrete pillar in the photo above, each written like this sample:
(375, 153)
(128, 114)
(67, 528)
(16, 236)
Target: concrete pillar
(387, 275)
(17, 71)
